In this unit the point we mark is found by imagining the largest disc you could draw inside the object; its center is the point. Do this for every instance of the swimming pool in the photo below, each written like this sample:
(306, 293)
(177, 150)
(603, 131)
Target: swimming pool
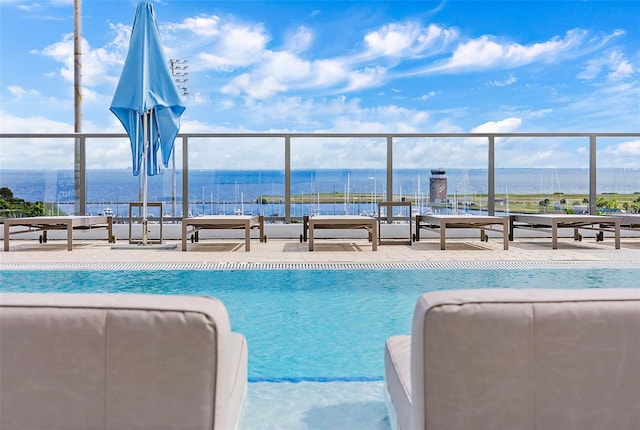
(312, 325)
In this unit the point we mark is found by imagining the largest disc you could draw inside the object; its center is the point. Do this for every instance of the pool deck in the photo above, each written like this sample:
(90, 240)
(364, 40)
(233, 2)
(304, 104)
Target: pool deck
(349, 251)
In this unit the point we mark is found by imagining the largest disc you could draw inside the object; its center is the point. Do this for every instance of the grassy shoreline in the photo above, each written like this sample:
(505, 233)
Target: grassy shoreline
(526, 203)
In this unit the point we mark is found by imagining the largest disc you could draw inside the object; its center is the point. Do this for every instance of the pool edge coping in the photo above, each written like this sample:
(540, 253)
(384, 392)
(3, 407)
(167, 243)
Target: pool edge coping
(465, 265)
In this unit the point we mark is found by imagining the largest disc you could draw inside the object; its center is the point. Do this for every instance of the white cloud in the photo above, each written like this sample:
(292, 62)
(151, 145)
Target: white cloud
(617, 100)
(486, 52)
(392, 39)
(205, 26)
(300, 40)
(236, 46)
(620, 67)
(625, 154)
(95, 62)
(427, 96)
(503, 83)
(254, 87)
(624, 149)
(285, 66)
(15, 124)
(32, 7)
(38, 6)
(409, 38)
(366, 78)
(286, 70)
(539, 113)
(19, 153)
(507, 125)
(592, 69)
(615, 63)
(327, 72)
(283, 70)
(20, 92)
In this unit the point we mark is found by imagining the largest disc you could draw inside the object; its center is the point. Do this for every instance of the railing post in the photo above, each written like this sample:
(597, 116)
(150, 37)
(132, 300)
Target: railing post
(80, 176)
(185, 177)
(389, 169)
(593, 204)
(174, 182)
(287, 179)
(389, 197)
(491, 192)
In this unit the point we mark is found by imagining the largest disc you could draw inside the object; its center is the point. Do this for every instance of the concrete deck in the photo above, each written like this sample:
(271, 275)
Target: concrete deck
(283, 247)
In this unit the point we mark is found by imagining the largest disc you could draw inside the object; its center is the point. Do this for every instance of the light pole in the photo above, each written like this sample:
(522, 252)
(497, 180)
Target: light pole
(78, 151)
(179, 73)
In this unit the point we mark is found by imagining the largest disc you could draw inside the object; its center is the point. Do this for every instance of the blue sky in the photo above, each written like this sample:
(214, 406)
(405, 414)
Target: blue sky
(341, 66)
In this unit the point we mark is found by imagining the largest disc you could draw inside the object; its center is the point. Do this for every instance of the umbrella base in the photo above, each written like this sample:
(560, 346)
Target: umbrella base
(148, 246)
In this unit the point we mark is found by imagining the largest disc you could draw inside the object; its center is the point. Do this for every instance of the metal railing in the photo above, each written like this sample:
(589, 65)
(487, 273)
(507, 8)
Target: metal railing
(81, 138)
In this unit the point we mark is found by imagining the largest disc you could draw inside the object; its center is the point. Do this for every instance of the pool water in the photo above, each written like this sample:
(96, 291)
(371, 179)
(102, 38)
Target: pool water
(313, 325)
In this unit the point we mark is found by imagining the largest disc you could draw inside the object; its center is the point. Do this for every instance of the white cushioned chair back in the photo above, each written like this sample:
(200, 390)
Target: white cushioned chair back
(526, 359)
(72, 361)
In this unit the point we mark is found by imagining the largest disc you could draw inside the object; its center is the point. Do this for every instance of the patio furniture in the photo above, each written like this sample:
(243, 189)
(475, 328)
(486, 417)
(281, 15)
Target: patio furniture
(629, 221)
(387, 214)
(518, 359)
(326, 222)
(119, 361)
(217, 222)
(483, 223)
(47, 223)
(599, 223)
(139, 206)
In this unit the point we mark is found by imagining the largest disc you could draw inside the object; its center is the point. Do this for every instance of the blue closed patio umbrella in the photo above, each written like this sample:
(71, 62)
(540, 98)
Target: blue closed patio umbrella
(147, 101)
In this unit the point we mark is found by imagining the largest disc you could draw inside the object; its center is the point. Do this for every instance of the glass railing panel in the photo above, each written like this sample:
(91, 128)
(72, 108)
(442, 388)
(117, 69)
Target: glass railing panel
(542, 175)
(111, 184)
(237, 175)
(38, 171)
(618, 175)
(441, 175)
(336, 176)
(245, 173)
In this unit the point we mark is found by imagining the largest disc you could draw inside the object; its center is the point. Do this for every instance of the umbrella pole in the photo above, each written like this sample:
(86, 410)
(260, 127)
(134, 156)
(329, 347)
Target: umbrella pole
(145, 149)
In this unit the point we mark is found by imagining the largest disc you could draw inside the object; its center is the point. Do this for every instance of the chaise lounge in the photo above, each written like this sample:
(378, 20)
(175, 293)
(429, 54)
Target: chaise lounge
(88, 361)
(518, 359)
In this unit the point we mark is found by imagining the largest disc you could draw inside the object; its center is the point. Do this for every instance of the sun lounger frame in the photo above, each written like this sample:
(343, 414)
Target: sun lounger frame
(46, 223)
(390, 217)
(223, 222)
(599, 223)
(629, 221)
(327, 222)
(484, 223)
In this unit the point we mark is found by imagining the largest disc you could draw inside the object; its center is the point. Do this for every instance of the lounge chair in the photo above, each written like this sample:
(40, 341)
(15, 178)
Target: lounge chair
(192, 226)
(331, 222)
(553, 222)
(88, 361)
(518, 359)
(483, 223)
(68, 223)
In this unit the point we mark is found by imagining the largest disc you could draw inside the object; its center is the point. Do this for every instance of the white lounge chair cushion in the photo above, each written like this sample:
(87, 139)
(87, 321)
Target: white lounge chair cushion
(397, 367)
(521, 359)
(118, 361)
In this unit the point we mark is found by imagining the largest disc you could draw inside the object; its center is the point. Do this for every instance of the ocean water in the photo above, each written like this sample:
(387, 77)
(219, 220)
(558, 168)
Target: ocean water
(229, 191)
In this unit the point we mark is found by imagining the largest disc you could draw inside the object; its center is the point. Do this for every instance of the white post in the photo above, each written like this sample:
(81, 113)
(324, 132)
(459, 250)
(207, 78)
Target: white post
(145, 148)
